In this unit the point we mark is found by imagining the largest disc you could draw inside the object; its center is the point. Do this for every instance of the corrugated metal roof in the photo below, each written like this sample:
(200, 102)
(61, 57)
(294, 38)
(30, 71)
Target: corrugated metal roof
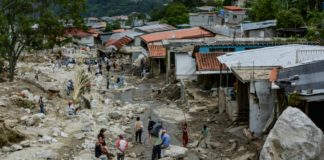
(156, 51)
(121, 42)
(188, 33)
(224, 30)
(259, 25)
(208, 62)
(283, 56)
(128, 33)
(303, 77)
(155, 28)
(77, 32)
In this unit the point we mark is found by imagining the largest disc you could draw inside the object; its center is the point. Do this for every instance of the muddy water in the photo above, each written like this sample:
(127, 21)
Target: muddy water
(142, 95)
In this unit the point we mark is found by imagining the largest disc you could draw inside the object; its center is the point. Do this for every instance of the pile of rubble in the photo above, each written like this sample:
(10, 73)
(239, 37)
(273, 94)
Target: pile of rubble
(170, 92)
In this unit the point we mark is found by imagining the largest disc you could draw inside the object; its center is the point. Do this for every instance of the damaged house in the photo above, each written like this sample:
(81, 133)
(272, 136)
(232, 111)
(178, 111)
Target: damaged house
(302, 85)
(255, 100)
(157, 51)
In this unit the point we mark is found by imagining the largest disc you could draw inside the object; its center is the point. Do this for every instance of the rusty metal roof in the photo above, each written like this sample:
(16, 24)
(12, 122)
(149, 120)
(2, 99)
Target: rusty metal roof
(208, 61)
(233, 8)
(120, 43)
(187, 33)
(157, 51)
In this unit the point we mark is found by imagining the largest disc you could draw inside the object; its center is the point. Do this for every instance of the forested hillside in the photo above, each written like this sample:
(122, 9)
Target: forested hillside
(121, 7)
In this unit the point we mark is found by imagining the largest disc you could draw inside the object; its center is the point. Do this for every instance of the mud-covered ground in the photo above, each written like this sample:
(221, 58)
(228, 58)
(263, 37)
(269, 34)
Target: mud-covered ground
(58, 136)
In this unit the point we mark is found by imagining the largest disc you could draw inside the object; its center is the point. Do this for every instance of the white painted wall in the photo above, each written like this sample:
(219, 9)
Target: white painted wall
(260, 111)
(185, 67)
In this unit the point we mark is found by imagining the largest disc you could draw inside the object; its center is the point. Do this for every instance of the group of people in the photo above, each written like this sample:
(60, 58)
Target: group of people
(101, 148)
(158, 136)
(58, 63)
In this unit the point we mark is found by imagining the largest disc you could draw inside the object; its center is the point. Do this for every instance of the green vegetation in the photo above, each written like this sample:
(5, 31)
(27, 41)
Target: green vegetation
(34, 24)
(135, 16)
(100, 8)
(110, 27)
(290, 14)
(176, 13)
(173, 14)
(289, 19)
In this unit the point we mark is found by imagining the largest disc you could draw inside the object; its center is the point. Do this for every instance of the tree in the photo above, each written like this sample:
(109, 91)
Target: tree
(108, 28)
(176, 13)
(190, 3)
(34, 24)
(289, 19)
(116, 25)
(264, 9)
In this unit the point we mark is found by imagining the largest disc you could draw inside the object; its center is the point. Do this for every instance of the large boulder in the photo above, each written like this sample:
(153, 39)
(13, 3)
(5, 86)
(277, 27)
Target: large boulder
(176, 152)
(115, 115)
(293, 137)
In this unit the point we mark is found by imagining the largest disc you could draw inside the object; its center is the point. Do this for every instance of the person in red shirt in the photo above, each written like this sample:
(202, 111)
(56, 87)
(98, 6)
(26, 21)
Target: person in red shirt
(121, 145)
(185, 137)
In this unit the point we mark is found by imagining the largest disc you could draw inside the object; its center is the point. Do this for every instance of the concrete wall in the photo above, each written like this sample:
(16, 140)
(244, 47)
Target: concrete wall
(203, 19)
(234, 17)
(227, 105)
(261, 33)
(87, 41)
(185, 67)
(137, 41)
(261, 105)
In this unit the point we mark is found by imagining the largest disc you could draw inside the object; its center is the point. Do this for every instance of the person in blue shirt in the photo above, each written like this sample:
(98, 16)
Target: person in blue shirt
(165, 141)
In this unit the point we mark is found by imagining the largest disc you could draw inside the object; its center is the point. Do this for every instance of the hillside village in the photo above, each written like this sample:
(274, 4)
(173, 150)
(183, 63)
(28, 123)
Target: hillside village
(220, 87)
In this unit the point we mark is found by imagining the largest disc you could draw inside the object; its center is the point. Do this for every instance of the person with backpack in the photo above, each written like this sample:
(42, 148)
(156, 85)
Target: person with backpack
(150, 125)
(165, 141)
(121, 145)
(138, 130)
(156, 133)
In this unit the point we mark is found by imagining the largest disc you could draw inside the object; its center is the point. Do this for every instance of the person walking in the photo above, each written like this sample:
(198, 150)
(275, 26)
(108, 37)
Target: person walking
(121, 145)
(165, 141)
(138, 130)
(53, 65)
(69, 86)
(156, 134)
(41, 105)
(108, 81)
(204, 136)
(71, 109)
(185, 136)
